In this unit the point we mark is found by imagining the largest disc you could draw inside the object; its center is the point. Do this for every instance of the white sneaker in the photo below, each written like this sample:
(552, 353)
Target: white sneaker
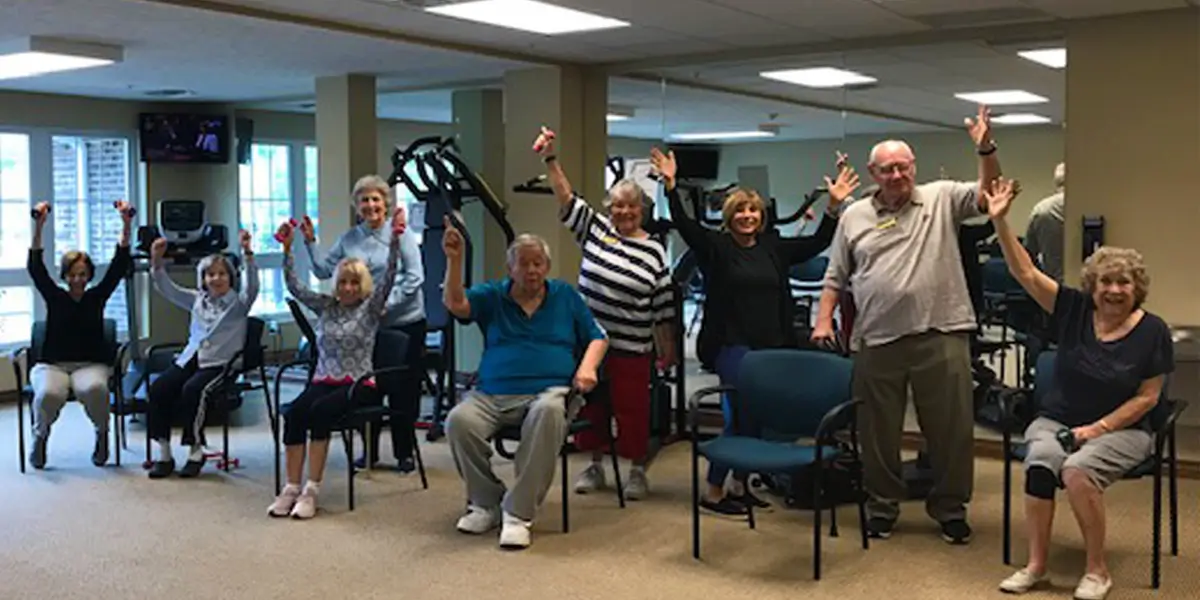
(1093, 587)
(514, 534)
(638, 486)
(284, 502)
(306, 505)
(1022, 581)
(590, 480)
(479, 520)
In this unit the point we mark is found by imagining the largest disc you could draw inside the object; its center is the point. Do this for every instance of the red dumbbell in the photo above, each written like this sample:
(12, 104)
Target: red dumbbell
(292, 224)
(35, 213)
(544, 138)
(131, 208)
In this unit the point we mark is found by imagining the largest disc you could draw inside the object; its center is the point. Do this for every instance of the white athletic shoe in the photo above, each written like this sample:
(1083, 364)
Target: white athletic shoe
(514, 534)
(479, 520)
(1093, 587)
(1022, 581)
(638, 486)
(306, 505)
(284, 502)
(590, 480)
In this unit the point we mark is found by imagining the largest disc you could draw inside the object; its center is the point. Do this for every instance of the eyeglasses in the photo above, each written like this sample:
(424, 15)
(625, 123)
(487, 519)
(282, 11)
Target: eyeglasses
(897, 167)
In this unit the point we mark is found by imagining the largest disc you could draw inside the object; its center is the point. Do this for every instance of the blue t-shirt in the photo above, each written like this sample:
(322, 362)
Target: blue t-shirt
(527, 354)
(1092, 378)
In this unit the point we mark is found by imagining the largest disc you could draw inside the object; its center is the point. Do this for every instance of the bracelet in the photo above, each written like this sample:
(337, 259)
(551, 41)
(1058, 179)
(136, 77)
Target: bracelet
(550, 159)
(990, 151)
(1104, 425)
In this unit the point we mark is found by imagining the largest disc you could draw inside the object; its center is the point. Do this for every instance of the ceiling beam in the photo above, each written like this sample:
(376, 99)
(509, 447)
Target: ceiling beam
(267, 14)
(461, 84)
(712, 87)
(1018, 32)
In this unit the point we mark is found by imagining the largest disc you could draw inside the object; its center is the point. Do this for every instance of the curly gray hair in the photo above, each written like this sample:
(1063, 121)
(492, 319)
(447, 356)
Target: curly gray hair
(1107, 260)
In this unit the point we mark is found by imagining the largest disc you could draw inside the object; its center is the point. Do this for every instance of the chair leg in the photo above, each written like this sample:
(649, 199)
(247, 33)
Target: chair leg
(1006, 549)
(862, 506)
(225, 458)
(818, 487)
(420, 462)
(833, 528)
(1156, 550)
(1173, 491)
(695, 500)
(616, 463)
(566, 516)
(348, 441)
(21, 432)
(116, 436)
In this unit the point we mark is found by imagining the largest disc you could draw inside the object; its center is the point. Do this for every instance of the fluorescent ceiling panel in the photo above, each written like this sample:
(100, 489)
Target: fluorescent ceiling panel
(527, 15)
(819, 77)
(1002, 97)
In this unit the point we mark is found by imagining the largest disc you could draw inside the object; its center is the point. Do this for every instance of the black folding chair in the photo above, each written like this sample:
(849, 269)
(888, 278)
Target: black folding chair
(1162, 419)
(388, 360)
(224, 394)
(23, 359)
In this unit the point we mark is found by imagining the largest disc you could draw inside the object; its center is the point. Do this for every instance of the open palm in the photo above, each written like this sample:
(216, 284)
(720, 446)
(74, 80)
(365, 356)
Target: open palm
(664, 164)
(999, 197)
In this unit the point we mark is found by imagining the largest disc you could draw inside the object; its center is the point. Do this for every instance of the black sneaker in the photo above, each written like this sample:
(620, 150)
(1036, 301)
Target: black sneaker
(406, 466)
(161, 469)
(750, 500)
(191, 469)
(725, 506)
(956, 531)
(37, 456)
(100, 450)
(880, 528)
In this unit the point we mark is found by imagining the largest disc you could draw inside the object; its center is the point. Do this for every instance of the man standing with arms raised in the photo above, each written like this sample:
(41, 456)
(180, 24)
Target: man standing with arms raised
(898, 252)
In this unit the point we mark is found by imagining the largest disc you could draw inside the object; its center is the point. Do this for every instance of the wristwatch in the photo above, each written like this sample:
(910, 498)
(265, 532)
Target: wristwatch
(990, 150)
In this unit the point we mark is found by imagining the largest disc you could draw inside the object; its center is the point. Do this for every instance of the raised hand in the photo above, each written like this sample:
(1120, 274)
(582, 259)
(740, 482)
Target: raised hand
(664, 165)
(41, 212)
(999, 196)
(306, 229)
(544, 144)
(126, 209)
(158, 249)
(841, 188)
(284, 235)
(980, 127)
(244, 240)
(399, 221)
(452, 240)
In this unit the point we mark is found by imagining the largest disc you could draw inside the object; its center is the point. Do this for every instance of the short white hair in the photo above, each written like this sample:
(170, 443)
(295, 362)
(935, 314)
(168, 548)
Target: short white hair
(1060, 176)
(627, 188)
(372, 183)
(897, 145)
(527, 240)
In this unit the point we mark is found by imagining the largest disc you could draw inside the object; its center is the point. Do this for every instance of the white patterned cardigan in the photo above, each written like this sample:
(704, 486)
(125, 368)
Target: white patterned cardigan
(345, 334)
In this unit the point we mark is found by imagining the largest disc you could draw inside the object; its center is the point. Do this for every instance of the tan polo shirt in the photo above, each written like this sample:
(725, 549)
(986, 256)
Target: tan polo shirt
(904, 267)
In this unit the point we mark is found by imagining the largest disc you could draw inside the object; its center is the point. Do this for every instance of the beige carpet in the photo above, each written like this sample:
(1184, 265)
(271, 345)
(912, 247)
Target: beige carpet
(75, 531)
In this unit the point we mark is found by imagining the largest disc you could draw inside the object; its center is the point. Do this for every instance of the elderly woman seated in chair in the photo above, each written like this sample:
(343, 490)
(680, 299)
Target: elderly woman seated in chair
(1093, 424)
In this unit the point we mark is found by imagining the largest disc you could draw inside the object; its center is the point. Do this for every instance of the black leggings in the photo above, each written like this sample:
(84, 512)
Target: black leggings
(319, 407)
(175, 397)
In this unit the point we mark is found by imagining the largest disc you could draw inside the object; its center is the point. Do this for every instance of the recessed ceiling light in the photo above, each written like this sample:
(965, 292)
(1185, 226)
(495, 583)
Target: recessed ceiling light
(527, 15)
(723, 135)
(1001, 97)
(1020, 119)
(819, 77)
(34, 56)
(611, 118)
(1055, 58)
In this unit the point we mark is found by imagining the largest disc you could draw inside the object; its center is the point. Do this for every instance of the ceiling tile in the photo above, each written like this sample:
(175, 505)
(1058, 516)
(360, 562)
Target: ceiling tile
(1076, 9)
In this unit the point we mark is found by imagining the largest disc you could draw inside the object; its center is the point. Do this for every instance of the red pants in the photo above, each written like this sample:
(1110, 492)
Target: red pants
(629, 393)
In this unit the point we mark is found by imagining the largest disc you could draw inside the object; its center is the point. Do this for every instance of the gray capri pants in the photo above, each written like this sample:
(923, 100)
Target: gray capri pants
(1105, 459)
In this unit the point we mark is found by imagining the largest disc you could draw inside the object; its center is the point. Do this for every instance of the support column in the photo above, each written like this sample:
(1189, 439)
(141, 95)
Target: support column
(346, 143)
(1132, 146)
(479, 130)
(573, 101)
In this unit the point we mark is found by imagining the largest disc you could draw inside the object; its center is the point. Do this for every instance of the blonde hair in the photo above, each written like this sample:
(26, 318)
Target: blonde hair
(738, 199)
(1107, 260)
(357, 269)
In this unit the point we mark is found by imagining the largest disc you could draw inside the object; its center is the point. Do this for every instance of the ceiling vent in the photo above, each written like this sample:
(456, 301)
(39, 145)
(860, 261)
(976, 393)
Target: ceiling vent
(980, 18)
(169, 93)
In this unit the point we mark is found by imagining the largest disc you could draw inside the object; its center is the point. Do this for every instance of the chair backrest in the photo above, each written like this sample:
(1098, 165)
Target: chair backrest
(811, 270)
(790, 391)
(302, 322)
(253, 353)
(37, 339)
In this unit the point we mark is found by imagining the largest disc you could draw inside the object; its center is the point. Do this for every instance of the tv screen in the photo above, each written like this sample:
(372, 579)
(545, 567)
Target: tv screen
(697, 162)
(184, 138)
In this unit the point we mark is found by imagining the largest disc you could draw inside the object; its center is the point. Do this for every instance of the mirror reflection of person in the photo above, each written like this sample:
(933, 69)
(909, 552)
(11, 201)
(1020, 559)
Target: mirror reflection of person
(1044, 235)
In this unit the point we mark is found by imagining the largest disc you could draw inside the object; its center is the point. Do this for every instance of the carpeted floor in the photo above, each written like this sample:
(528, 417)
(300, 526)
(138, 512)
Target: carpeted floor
(75, 531)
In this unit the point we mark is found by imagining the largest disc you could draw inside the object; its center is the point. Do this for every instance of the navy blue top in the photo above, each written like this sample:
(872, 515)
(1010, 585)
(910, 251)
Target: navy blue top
(525, 354)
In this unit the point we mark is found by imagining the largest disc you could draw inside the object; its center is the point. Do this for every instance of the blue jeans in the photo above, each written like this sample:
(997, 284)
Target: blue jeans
(729, 360)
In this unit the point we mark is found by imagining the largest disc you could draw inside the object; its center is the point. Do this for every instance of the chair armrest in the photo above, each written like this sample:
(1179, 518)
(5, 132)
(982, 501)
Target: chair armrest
(836, 419)
(231, 368)
(1167, 428)
(370, 374)
(15, 360)
(156, 348)
(1010, 401)
(693, 403)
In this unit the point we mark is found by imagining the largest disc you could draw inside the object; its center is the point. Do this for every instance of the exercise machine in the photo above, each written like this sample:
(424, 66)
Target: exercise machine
(443, 183)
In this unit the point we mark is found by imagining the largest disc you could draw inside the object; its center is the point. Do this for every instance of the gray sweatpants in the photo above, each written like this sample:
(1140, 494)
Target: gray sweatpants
(52, 384)
(543, 420)
(1105, 459)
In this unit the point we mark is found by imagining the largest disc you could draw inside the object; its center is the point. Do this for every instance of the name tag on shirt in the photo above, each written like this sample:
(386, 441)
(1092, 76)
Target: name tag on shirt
(887, 224)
